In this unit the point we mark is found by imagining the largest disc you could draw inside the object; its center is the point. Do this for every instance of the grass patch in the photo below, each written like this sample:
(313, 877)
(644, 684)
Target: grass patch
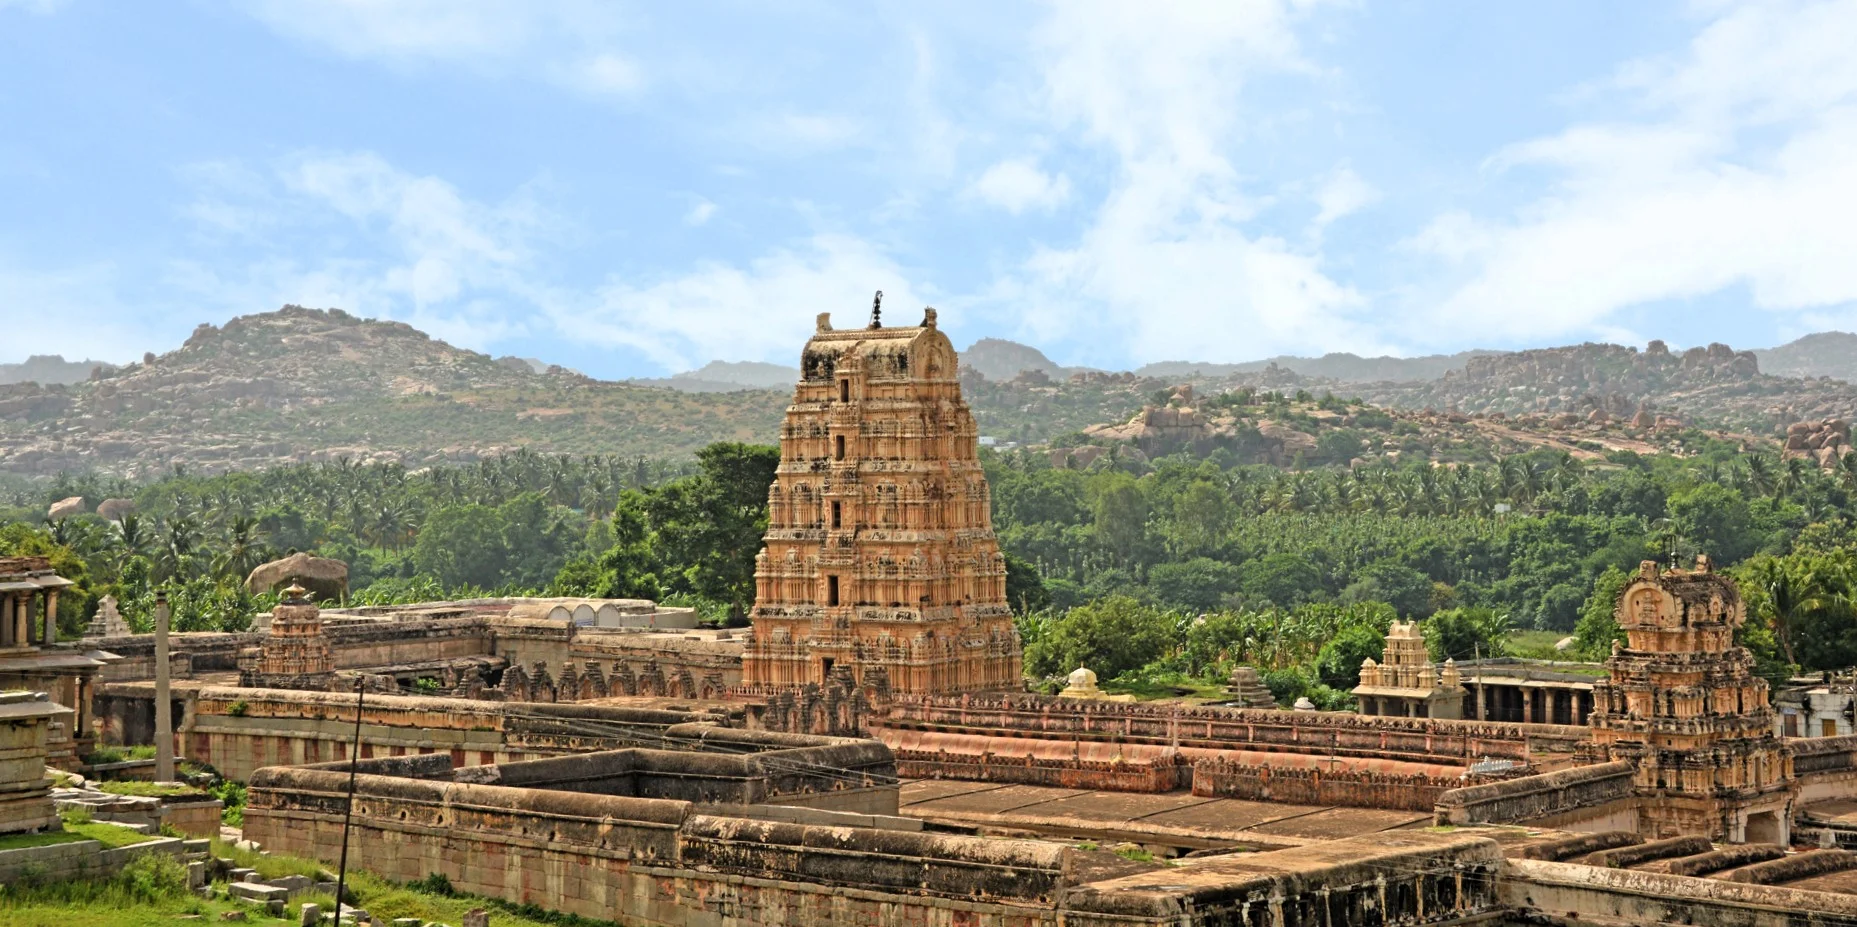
(117, 754)
(110, 835)
(270, 866)
(142, 789)
(22, 841)
(1536, 645)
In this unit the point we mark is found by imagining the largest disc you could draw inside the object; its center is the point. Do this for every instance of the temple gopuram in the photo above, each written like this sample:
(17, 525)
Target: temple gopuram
(1684, 707)
(880, 555)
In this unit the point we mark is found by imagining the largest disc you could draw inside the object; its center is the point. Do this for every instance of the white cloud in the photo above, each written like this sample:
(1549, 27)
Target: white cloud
(808, 131)
(761, 311)
(405, 246)
(571, 43)
(75, 312)
(33, 6)
(1170, 266)
(700, 213)
(1741, 172)
(1343, 193)
(1017, 185)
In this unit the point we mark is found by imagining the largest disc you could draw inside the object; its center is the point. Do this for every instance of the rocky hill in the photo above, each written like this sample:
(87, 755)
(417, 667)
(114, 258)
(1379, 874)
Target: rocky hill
(1258, 426)
(1715, 386)
(50, 369)
(306, 384)
(1340, 367)
(1000, 360)
(1825, 354)
(726, 377)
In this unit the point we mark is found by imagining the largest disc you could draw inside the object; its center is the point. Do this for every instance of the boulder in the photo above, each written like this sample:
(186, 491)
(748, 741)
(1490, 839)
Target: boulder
(65, 508)
(115, 509)
(326, 578)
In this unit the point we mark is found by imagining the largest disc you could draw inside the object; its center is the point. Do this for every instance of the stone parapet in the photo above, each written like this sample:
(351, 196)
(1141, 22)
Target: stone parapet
(1358, 788)
(1432, 740)
(1530, 797)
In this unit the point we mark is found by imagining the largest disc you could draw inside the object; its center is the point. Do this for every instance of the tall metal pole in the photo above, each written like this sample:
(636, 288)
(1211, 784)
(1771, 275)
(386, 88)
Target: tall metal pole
(348, 814)
(164, 707)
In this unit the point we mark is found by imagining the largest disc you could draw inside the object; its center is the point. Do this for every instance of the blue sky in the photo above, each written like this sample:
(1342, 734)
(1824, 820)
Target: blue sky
(635, 189)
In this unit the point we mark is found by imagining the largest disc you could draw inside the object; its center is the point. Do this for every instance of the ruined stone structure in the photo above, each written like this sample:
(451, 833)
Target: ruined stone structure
(295, 654)
(25, 791)
(29, 590)
(880, 550)
(31, 659)
(1406, 684)
(108, 621)
(1684, 707)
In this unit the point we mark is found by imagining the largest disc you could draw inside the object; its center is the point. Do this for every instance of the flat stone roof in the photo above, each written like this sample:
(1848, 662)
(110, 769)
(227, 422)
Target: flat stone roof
(1170, 818)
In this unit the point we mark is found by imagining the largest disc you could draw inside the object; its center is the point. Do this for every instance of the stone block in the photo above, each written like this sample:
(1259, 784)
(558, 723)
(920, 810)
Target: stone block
(241, 874)
(476, 917)
(257, 891)
(408, 922)
(194, 849)
(294, 884)
(196, 874)
(310, 915)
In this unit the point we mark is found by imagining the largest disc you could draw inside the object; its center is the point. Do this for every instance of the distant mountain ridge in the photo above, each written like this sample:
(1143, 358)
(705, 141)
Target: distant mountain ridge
(308, 384)
(1823, 354)
(726, 376)
(1342, 367)
(50, 369)
(321, 385)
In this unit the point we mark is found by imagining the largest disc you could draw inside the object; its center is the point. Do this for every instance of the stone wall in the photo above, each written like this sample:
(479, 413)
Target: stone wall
(1381, 880)
(1429, 740)
(655, 861)
(238, 731)
(1531, 798)
(1568, 893)
(1349, 787)
(661, 862)
(85, 859)
(1148, 774)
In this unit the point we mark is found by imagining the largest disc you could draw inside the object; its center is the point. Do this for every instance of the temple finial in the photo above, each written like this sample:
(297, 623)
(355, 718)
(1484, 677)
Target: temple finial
(876, 311)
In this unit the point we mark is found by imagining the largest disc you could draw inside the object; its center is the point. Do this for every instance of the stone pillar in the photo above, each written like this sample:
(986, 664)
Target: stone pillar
(6, 621)
(164, 700)
(1482, 714)
(1528, 705)
(51, 616)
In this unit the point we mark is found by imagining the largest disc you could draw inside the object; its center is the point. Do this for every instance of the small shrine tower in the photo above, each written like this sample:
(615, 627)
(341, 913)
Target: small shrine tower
(880, 555)
(1683, 704)
(1406, 683)
(295, 654)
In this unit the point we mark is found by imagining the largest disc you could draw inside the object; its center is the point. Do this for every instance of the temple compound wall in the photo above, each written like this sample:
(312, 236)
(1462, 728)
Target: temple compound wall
(879, 554)
(1433, 741)
(637, 858)
(236, 730)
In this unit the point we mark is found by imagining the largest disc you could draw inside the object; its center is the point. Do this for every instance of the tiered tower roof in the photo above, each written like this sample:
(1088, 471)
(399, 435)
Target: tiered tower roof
(880, 550)
(1683, 703)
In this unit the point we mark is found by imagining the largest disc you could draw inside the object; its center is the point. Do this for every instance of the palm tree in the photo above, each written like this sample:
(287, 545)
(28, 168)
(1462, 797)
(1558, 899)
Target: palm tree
(179, 548)
(132, 538)
(1758, 477)
(1790, 597)
(244, 549)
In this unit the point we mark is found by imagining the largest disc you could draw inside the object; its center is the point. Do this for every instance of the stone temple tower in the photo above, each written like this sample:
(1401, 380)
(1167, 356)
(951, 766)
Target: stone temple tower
(880, 557)
(295, 654)
(1684, 705)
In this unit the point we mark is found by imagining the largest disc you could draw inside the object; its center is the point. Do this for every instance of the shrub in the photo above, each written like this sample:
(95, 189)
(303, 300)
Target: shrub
(153, 876)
